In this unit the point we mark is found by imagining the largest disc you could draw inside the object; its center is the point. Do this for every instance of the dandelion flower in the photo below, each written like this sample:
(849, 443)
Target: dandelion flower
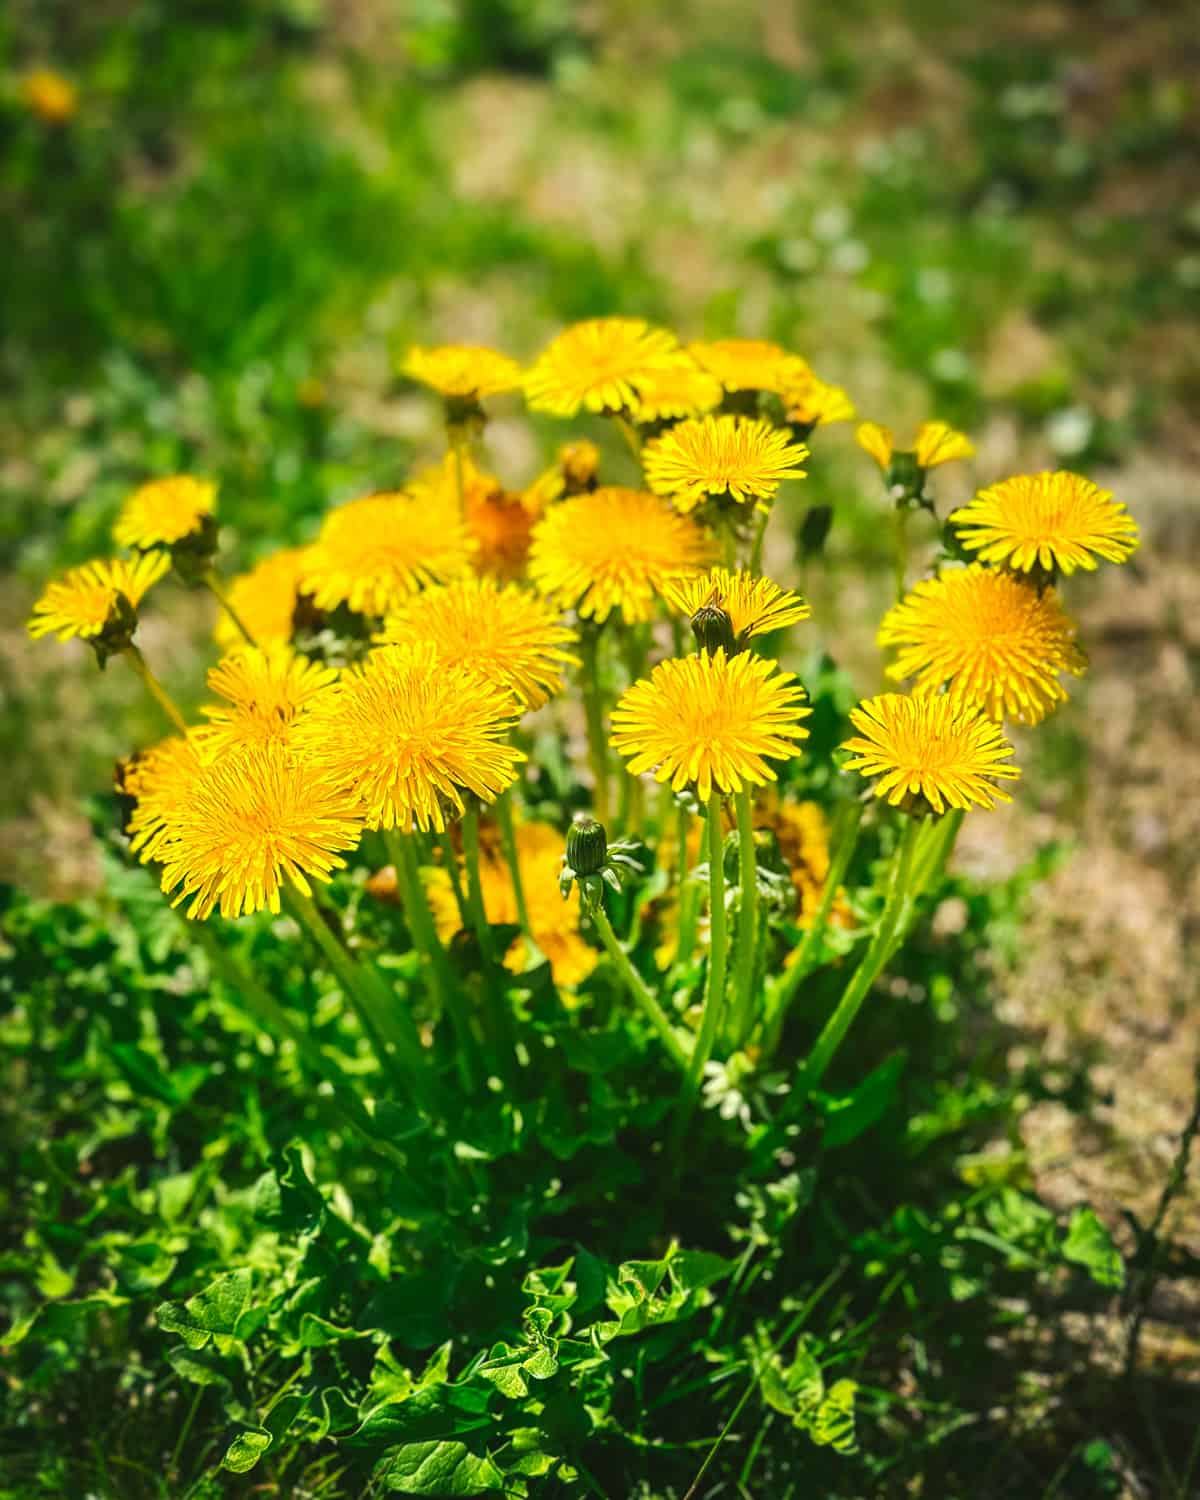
(266, 690)
(499, 524)
(464, 372)
(411, 733)
(992, 637)
(802, 832)
(755, 606)
(935, 443)
(373, 552)
(711, 456)
(595, 365)
(157, 781)
(49, 96)
(249, 823)
(1050, 521)
(710, 721)
(931, 747)
(749, 364)
(553, 921)
(677, 388)
(510, 636)
(265, 600)
(613, 549)
(165, 512)
(811, 402)
(97, 596)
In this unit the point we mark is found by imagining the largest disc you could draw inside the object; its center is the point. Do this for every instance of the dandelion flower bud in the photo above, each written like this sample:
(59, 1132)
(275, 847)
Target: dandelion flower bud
(713, 629)
(587, 846)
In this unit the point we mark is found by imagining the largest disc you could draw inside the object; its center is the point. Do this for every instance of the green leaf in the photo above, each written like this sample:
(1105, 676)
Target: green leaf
(56, 1320)
(201, 1368)
(246, 1450)
(1089, 1244)
(833, 1424)
(431, 1413)
(847, 1116)
(220, 1311)
(438, 1469)
(691, 1270)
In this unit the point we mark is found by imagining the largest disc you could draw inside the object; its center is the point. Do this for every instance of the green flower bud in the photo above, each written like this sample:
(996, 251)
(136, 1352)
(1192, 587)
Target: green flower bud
(713, 630)
(587, 846)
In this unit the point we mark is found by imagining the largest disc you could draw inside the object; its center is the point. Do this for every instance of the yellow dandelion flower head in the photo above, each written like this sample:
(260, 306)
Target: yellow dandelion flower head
(251, 822)
(1050, 521)
(812, 402)
(802, 832)
(755, 606)
(749, 364)
(410, 733)
(707, 457)
(165, 511)
(997, 642)
(614, 549)
(266, 690)
(509, 635)
(935, 443)
(711, 721)
(594, 365)
(553, 921)
(677, 388)
(49, 96)
(264, 599)
(158, 780)
(87, 599)
(372, 553)
(498, 524)
(465, 371)
(932, 747)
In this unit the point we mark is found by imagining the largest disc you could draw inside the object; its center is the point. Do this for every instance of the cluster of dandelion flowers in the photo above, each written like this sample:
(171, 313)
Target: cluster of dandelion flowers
(755, 606)
(935, 443)
(707, 457)
(677, 388)
(508, 635)
(749, 364)
(990, 636)
(614, 549)
(264, 599)
(165, 512)
(931, 747)
(265, 692)
(97, 596)
(1052, 521)
(596, 364)
(554, 923)
(711, 721)
(410, 734)
(249, 823)
(464, 372)
(372, 553)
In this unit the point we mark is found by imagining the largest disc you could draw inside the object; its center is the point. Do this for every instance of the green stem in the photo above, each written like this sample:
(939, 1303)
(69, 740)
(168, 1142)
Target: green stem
(450, 863)
(900, 541)
(638, 989)
(155, 688)
(630, 433)
(689, 896)
(460, 480)
(882, 946)
(747, 929)
(756, 551)
(729, 547)
(508, 838)
(213, 584)
(714, 995)
(475, 906)
(447, 996)
(589, 681)
(845, 841)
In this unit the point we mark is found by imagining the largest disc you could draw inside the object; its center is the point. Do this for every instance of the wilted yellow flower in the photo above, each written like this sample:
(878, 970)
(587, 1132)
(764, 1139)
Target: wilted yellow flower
(710, 720)
(755, 606)
(249, 823)
(266, 689)
(812, 402)
(595, 365)
(264, 599)
(49, 96)
(465, 371)
(613, 549)
(87, 599)
(990, 636)
(712, 456)
(677, 388)
(1048, 520)
(553, 921)
(508, 635)
(749, 364)
(165, 511)
(935, 443)
(410, 733)
(373, 552)
(930, 747)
